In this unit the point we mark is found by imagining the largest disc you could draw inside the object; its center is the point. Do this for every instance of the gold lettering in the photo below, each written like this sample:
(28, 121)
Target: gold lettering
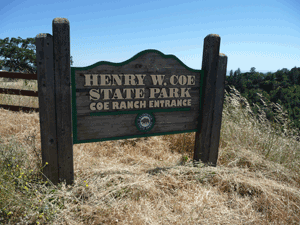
(123, 105)
(172, 79)
(88, 79)
(92, 106)
(174, 91)
(157, 79)
(153, 91)
(139, 93)
(94, 94)
(185, 93)
(182, 80)
(129, 78)
(117, 94)
(105, 80)
(106, 93)
(169, 103)
(191, 80)
(141, 79)
(117, 78)
(163, 93)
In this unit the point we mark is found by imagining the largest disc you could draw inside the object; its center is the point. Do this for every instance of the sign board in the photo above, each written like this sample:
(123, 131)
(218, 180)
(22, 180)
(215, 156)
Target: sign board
(148, 95)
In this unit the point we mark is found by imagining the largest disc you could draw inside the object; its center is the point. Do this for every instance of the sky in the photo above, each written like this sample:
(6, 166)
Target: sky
(264, 34)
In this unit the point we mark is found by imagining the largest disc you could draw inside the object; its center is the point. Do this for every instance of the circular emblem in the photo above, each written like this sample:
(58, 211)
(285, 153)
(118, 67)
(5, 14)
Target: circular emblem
(144, 121)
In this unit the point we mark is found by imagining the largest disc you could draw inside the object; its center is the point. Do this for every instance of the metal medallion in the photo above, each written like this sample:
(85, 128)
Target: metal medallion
(144, 121)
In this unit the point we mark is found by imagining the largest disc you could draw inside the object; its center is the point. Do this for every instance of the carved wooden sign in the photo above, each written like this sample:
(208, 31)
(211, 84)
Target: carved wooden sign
(148, 95)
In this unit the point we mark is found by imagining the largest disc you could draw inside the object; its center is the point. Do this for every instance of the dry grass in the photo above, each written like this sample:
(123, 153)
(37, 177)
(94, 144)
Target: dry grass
(19, 100)
(153, 180)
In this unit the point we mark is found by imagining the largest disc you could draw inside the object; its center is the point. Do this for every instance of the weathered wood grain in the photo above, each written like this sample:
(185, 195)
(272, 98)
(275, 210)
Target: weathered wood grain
(210, 63)
(218, 108)
(45, 73)
(93, 127)
(62, 74)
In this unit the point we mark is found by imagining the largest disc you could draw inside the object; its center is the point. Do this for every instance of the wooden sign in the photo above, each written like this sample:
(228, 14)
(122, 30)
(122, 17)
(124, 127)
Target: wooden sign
(148, 95)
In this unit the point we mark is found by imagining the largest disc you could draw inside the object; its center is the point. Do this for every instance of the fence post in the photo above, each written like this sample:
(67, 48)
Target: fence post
(62, 77)
(210, 62)
(45, 75)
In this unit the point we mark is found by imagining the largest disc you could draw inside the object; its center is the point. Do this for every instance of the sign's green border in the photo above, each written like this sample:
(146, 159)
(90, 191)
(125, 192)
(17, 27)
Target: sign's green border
(73, 100)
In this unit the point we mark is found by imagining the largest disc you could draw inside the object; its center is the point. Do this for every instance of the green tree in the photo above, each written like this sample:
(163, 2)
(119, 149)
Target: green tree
(270, 76)
(294, 75)
(238, 72)
(285, 70)
(19, 58)
(252, 70)
(282, 77)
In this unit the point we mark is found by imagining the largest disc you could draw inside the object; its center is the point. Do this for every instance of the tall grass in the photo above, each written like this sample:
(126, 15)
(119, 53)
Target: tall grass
(153, 180)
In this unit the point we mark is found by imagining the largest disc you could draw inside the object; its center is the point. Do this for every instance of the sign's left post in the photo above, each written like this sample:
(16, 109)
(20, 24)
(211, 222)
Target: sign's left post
(45, 74)
(54, 85)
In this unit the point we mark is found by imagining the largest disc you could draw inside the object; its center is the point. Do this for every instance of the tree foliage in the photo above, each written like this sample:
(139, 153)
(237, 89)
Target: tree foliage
(19, 54)
(282, 87)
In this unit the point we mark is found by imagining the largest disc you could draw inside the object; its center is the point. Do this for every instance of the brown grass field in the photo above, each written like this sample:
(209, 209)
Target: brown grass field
(151, 180)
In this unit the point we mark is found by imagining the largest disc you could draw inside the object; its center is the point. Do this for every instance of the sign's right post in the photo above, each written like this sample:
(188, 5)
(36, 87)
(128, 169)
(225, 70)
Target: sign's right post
(207, 137)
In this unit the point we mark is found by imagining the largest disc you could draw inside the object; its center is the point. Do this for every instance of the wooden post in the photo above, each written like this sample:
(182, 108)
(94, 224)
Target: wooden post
(45, 74)
(217, 117)
(62, 77)
(210, 62)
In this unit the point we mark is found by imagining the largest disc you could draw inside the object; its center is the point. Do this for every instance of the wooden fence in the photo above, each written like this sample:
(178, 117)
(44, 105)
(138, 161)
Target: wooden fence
(17, 75)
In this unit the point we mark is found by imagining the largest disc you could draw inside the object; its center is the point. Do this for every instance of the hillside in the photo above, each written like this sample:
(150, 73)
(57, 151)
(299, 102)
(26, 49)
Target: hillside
(279, 88)
(153, 180)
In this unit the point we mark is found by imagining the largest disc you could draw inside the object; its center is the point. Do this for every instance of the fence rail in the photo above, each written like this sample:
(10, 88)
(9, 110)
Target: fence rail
(18, 75)
(18, 92)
